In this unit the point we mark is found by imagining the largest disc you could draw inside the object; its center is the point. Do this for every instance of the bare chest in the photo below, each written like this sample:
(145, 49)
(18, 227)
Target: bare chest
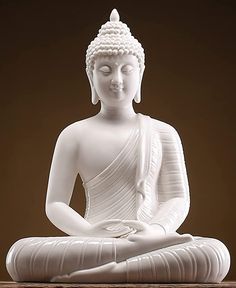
(99, 148)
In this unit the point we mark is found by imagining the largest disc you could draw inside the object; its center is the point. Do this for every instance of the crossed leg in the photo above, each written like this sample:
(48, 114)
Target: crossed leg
(200, 260)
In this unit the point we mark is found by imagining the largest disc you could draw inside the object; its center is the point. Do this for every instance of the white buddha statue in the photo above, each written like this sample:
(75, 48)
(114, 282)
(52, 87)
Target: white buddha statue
(134, 176)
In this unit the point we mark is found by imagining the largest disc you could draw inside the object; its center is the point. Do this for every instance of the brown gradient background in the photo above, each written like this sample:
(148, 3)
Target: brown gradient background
(189, 82)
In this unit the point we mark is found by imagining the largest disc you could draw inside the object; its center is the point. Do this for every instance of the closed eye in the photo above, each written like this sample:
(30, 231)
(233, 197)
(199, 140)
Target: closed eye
(127, 68)
(105, 69)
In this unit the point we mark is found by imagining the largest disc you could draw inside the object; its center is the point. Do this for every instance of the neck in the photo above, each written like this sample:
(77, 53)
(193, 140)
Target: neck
(117, 113)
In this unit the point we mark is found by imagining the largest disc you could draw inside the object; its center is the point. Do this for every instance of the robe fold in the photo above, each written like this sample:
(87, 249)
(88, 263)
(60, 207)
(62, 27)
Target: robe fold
(137, 183)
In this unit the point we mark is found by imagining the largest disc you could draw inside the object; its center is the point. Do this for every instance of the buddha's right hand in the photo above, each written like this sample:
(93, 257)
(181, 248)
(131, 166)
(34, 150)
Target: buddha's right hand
(146, 232)
(112, 228)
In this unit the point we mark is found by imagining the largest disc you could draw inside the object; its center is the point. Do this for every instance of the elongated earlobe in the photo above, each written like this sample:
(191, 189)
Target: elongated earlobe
(94, 95)
(95, 98)
(137, 98)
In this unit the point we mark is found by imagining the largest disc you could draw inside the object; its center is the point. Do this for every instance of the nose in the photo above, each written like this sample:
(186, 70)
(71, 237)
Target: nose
(117, 78)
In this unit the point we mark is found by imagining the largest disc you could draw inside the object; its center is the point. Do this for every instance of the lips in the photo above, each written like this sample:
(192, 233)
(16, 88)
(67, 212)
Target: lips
(117, 88)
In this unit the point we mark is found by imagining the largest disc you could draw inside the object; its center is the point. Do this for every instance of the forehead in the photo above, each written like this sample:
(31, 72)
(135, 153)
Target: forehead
(116, 60)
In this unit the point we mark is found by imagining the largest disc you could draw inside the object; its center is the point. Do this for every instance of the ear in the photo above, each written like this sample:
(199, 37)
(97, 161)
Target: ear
(94, 95)
(90, 77)
(137, 98)
(141, 73)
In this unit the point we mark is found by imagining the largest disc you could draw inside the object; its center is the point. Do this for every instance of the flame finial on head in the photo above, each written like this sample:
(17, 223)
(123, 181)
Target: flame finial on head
(114, 17)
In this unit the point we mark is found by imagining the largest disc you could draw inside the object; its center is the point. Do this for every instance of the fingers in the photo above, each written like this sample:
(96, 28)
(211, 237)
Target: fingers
(175, 239)
(138, 225)
(118, 233)
(134, 238)
(187, 237)
(111, 228)
(115, 227)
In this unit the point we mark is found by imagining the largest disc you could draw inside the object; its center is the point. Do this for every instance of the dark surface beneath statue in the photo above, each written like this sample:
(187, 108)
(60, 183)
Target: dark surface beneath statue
(226, 284)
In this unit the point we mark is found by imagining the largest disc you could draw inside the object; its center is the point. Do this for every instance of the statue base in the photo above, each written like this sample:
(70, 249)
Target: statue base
(225, 284)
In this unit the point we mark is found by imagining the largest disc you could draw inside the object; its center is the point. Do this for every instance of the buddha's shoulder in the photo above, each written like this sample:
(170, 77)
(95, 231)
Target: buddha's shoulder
(75, 130)
(162, 126)
(165, 130)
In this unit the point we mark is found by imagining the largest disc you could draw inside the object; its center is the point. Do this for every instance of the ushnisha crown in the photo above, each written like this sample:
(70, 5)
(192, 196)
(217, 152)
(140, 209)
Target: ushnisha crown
(114, 38)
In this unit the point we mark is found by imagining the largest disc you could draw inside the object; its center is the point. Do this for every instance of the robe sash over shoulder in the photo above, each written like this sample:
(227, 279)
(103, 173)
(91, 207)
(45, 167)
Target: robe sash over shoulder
(125, 189)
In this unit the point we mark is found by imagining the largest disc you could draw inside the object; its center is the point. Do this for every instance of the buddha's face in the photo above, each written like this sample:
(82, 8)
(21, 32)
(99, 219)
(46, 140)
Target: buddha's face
(116, 79)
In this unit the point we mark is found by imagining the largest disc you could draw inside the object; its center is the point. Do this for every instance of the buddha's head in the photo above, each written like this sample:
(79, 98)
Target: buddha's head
(115, 62)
